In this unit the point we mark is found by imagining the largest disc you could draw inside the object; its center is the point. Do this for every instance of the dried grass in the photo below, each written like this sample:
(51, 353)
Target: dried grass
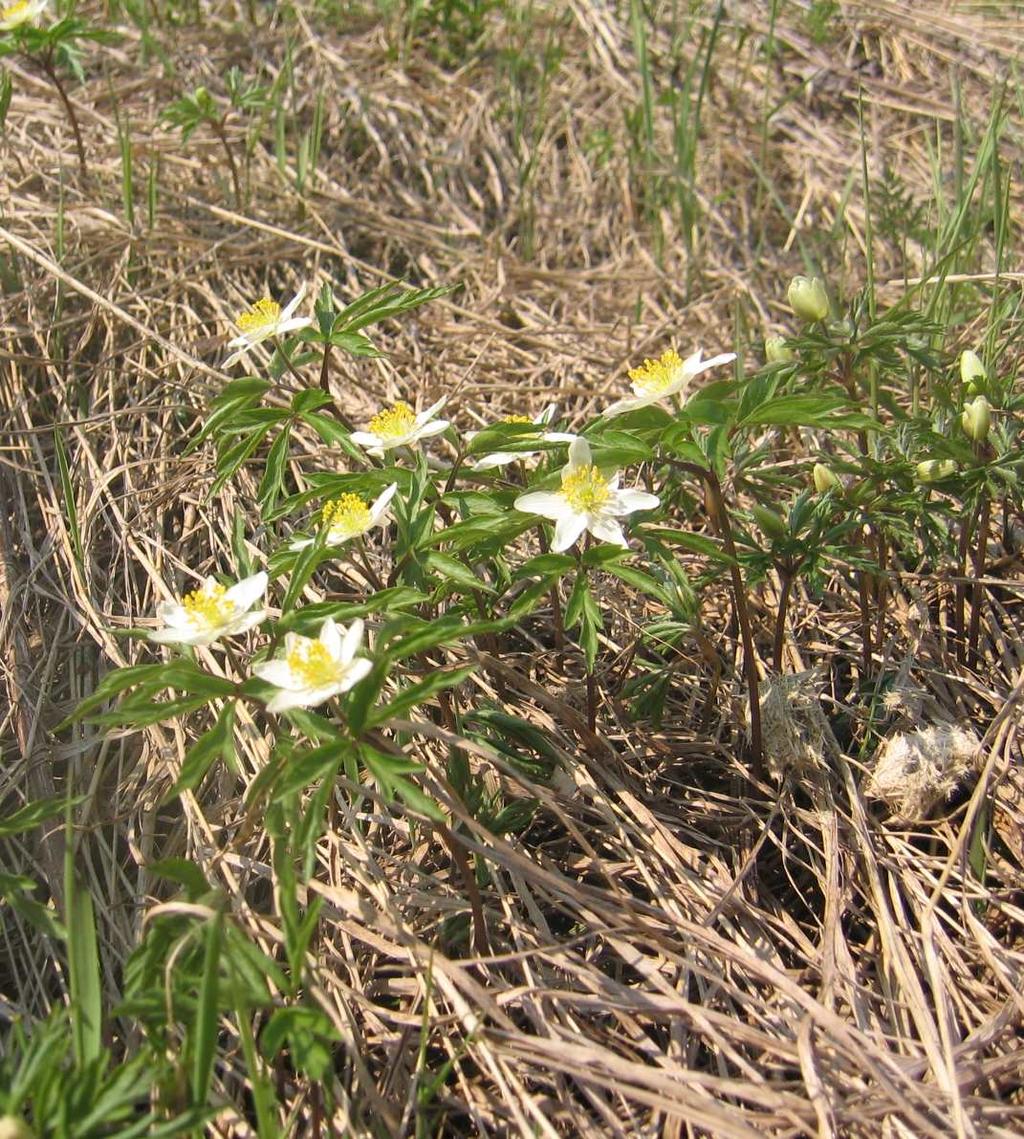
(669, 953)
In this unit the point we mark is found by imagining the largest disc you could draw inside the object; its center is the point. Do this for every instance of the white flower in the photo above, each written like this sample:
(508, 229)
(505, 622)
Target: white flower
(656, 380)
(313, 669)
(211, 612)
(264, 320)
(348, 516)
(399, 426)
(21, 12)
(587, 501)
(503, 458)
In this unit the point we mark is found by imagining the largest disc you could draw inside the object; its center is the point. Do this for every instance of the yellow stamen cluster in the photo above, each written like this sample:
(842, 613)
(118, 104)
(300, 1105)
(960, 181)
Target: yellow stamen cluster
(312, 663)
(207, 607)
(656, 375)
(13, 11)
(347, 513)
(585, 489)
(263, 313)
(394, 422)
(517, 419)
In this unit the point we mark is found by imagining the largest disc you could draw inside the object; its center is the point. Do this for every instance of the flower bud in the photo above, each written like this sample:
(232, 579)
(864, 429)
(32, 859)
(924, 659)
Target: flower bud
(11, 1127)
(825, 479)
(932, 470)
(972, 371)
(777, 350)
(808, 298)
(977, 418)
(770, 521)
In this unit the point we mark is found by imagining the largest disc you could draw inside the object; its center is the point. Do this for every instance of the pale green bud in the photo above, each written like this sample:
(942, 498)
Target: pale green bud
(770, 521)
(977, 418)
(808, 298)
(932, 470)
(11, 1127)
(825, 479)
(777, 350)
(972, 371)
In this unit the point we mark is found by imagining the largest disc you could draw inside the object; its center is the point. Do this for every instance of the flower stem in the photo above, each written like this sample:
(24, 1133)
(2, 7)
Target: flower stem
(217, 126)
(717, 502)
(977, 589)
(51, 73)
(779, 641)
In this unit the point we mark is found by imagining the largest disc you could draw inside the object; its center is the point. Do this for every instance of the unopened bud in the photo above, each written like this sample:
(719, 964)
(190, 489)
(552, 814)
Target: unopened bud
(932, 470)
(808, 298)
(977, 418)
(777, 350)
(972, 371)
(11, 1127)
(825, 479)
(770, 521)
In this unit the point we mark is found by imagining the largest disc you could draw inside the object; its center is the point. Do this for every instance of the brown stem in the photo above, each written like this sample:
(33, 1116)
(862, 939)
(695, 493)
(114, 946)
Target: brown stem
(740, 605)
(864, 595)
(960, 589)
(977, 590)
(69, 110)
(779, 641)
(480, 941)
(364, 561)
(217, 126)
(325, 365)
(591, 702)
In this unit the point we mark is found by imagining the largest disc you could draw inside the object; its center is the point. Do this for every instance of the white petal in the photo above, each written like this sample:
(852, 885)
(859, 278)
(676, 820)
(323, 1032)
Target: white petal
(381, 503)
(547, 415)
(301, 543)
(579, 454)
(284, 326)
(607, 530)
(283, 700)
(626, 501)
(496, 459)
(176, 637)
(350, 643)
(559, 437)
(355, 672)
(275, 672)
(702, 366)
(431, 411)
(172, 613)
(248, 591)
(330, 638)
(546, 503)
(294, 303)
(433, 428)
(628, 403)
(568, 528)
(366, 439)
(244, 623)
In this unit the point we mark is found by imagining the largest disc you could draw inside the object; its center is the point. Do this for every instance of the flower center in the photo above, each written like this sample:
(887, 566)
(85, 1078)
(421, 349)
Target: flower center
(208, 608)
(517, 419)
(346, 517)
(312, 663)
(654, 376)
(585, 490)
(393, 423)
(13, 11)
(263, 314)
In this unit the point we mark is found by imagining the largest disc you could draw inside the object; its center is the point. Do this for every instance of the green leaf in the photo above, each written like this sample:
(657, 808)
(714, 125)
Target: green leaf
(233, 458)
(546, 565)
(451, 569)
(696, 543)
(272, 483)
(218, 741)
(183, 871)
(306, 767)
(419, 693)
(83, 965)
(385, 302)
(31, 815)
(205, 1030)
(644, 582)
